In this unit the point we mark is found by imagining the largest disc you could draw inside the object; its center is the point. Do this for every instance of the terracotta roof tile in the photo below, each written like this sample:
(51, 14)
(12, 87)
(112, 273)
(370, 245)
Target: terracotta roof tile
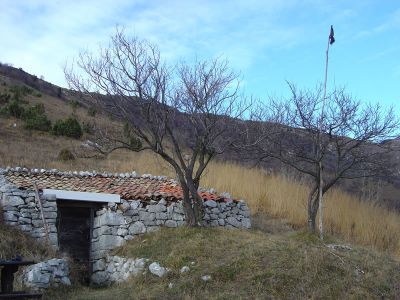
(129, 187)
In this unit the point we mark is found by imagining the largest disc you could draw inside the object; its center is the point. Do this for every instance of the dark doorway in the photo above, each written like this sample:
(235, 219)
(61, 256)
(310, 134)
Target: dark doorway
(74, 226)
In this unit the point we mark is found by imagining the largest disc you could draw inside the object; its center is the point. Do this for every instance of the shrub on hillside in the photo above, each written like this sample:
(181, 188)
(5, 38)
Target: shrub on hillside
(36, 119)
(66, 155)
(13, 108)
(69, 127)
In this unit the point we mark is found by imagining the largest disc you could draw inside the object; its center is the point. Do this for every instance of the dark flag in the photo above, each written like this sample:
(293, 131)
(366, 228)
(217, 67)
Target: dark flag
(331, 36)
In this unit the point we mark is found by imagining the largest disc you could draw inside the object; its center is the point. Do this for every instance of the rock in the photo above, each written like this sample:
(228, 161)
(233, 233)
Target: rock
(122, 231)
(185, 269)
(12, 201)
(110, 219)
(170, 223)
(99, 278)
(232, 221)
(156, 269)
(46, 273)
(157, 208)
(146, 216)
(210, 203)
(206, 277)
(246, 223)
(99, 265)
(107, 242)
(137, 228)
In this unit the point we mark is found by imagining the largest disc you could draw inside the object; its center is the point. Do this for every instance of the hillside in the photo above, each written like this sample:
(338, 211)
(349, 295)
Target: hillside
(280, 194)
(276, 259)
(61, 103)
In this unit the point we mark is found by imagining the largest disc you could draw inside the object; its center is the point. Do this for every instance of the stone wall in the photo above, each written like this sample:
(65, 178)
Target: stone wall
(113, 224)
(21, 210)
(48, 273)
(117, 223)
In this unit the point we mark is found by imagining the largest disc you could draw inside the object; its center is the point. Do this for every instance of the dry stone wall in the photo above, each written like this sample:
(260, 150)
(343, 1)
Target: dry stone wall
(113, 224)
(21, 210)
(45, 274)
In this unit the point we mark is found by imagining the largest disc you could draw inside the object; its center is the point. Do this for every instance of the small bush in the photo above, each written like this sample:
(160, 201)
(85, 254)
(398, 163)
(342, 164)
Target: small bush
(36, 119)
(13, 108)
(69, 127)
(66, 155)
(39, 122)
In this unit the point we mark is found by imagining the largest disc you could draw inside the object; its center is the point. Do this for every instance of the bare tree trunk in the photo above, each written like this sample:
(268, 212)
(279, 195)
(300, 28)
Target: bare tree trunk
(312, 208)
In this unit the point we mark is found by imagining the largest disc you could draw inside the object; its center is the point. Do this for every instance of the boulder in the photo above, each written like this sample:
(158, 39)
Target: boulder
(156, 269)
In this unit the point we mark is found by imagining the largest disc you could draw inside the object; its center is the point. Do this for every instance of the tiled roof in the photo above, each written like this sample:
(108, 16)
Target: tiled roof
(128, 185)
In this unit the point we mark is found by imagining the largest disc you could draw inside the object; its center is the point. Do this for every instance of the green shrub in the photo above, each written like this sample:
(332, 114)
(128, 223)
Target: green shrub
(13, 108)
(69, 127)
(66, 155)
(35, 118)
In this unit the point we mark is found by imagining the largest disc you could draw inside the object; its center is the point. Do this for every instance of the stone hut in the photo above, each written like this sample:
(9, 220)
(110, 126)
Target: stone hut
(87, 214)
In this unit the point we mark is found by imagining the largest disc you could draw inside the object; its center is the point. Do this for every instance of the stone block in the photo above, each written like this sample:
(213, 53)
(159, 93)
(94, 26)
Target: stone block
(122, 231)
(99, 265)
(170, 223)
(11, 216)
(107, 242)
(177, 217)
(137, 228)
(11, 201)
(99, 278)
(232, 221)
(109, 218)
(22, 220)
(156, 208)
(246, 223)
(50, 215)
(210, 203)
(146, 216)
(161, 216)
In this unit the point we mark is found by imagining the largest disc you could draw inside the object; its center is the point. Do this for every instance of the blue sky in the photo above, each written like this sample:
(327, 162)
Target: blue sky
(268, 42)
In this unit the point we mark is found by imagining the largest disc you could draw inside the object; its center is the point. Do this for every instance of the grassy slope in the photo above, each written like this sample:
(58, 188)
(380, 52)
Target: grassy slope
(249, 265)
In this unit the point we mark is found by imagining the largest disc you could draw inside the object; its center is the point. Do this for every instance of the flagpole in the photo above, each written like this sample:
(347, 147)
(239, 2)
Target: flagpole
(321, 182)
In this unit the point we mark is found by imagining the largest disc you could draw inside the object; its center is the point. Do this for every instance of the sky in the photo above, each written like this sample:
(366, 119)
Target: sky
(268, 42)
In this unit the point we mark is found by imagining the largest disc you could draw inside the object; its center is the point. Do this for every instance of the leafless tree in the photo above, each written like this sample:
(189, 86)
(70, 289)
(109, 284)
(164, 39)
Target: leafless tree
(350, 144)
(180, 113)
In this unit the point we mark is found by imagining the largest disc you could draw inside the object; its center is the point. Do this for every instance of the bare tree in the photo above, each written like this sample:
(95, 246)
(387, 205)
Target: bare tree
(180, 113)
(348, 144)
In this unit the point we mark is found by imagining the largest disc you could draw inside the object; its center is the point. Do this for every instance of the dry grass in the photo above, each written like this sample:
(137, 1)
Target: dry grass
(14, 242)
(248, 265)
